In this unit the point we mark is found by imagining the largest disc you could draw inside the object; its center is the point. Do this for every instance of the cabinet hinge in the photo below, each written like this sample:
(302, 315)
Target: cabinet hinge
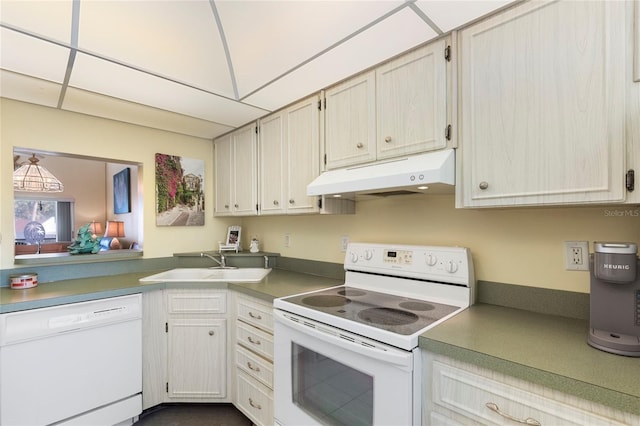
(447, 132)
(257, 207)
(631, 180)
(325, 159)
(320, 105)
(167, 388)
(256, 130)
(447, 53)
(166, 327)
(320, 203)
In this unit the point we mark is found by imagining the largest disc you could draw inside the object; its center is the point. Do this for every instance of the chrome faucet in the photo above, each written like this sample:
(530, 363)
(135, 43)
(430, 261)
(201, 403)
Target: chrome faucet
(220, 262)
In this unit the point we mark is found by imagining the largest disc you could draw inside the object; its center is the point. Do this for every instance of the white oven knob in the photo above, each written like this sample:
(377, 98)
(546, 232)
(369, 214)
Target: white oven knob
(354, 257)
(368, 254)
(451, 266)
(431, 259)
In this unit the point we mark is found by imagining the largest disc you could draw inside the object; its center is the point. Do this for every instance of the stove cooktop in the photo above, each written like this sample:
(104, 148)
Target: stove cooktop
(396, 314)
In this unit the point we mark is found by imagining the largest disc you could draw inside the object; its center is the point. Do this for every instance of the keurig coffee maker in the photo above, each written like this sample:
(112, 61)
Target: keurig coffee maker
(615, 298)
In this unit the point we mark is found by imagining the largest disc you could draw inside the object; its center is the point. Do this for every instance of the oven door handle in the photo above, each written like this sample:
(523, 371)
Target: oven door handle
(344, 340)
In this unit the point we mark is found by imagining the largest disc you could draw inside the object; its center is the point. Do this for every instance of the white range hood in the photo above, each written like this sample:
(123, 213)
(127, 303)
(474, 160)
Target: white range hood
(425, 173)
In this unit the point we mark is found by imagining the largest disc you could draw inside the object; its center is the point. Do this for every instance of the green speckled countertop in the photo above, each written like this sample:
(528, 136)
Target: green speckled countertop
(540, 348)
(278, 283)
(545, 349)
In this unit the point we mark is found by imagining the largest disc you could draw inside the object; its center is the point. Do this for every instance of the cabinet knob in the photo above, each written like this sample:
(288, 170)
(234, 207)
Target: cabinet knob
(236, 205)
(211, 332)
(359, 145)
(387, 139)
(292, 201)
(483, 185)
(275, 202)
(226, 206)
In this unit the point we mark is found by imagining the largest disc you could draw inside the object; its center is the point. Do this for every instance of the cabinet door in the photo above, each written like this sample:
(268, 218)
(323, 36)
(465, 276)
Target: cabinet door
(303, 154)
(636, 41)
(273, 170)
(197, 358)
(542, 94)
(222, 163)
(154, 348)
(350, 122)
(244, 171)
(412, 102)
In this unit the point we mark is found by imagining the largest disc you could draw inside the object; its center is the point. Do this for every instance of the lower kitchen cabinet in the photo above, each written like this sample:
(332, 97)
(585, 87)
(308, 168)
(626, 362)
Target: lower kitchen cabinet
(458, 393)
(254, 359)
(197, 341)
(185, 344)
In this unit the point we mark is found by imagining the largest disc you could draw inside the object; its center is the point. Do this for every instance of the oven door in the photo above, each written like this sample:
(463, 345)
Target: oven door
(327, 376)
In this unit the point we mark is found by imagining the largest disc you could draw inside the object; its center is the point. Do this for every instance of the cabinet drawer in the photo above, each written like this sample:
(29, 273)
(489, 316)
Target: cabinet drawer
(196, 302)
(255, 314)
(255, 366)
(477, 399)
(255, 340)
(254, 399)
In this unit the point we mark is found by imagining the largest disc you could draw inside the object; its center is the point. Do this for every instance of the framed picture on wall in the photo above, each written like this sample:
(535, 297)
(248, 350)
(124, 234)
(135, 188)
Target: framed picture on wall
(179, 191)
(122, 192)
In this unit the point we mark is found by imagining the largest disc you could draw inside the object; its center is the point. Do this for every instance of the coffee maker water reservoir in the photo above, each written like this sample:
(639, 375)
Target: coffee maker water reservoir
(615, 298)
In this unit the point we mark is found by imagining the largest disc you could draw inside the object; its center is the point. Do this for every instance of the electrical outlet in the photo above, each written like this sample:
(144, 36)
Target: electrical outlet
(344, 242)
(576, 255)
(287, 240)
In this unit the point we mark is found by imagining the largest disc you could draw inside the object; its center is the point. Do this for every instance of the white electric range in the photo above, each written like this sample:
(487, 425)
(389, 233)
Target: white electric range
(349, 354)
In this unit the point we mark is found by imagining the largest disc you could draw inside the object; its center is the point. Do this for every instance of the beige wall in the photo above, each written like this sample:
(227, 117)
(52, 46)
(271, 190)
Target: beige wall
(47, 129)
(517, 246)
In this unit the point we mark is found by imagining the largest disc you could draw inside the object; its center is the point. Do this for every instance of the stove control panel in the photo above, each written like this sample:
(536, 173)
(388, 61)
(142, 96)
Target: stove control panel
(397, 257)
(434, 263)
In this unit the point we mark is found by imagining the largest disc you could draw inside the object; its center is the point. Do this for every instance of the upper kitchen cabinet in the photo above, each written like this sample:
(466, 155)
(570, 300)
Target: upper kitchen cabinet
(412, 102)
(289, 158)
(400, 108)
(235, 162)
(542, 106)
(350, 122)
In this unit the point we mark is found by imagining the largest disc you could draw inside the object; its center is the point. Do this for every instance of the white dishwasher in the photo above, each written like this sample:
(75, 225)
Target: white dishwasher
(75, 364)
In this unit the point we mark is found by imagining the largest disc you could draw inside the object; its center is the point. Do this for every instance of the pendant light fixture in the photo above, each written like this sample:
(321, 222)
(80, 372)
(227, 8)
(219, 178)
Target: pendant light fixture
(34, 178)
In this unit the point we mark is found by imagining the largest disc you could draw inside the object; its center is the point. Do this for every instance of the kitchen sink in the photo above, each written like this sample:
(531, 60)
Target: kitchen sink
(244, 275)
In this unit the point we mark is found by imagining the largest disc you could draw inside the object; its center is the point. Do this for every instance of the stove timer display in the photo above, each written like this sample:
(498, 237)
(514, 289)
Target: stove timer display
(398, 257)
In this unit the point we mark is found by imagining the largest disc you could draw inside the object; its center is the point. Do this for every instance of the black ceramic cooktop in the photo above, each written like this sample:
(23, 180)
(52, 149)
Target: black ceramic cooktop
(402, 315)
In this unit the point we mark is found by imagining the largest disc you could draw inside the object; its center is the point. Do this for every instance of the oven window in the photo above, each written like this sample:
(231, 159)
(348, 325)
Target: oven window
(330, 391)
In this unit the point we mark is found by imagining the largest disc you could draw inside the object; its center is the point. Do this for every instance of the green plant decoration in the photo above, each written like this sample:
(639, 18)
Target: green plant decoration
(86, 242)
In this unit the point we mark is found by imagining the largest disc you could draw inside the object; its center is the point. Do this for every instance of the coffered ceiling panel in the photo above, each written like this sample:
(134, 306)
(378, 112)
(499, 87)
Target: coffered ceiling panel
(29, 89)
(50, 19)
(117, 109)
(124, 83)
(449, 15)
(32, 56)
(347, 59)
(179, 40)
(268, 38)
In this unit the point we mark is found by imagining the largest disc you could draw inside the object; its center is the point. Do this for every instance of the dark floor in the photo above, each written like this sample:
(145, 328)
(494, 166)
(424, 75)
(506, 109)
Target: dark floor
(193, 415)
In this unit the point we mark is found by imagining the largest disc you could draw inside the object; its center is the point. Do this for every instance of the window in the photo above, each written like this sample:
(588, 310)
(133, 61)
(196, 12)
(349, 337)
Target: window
(55, 216)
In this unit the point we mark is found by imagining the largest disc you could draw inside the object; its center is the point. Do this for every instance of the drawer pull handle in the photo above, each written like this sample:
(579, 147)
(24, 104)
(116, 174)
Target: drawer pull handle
(258, 317)
(251, 367)
(528, 421)
(255, 342)
(254, 405)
